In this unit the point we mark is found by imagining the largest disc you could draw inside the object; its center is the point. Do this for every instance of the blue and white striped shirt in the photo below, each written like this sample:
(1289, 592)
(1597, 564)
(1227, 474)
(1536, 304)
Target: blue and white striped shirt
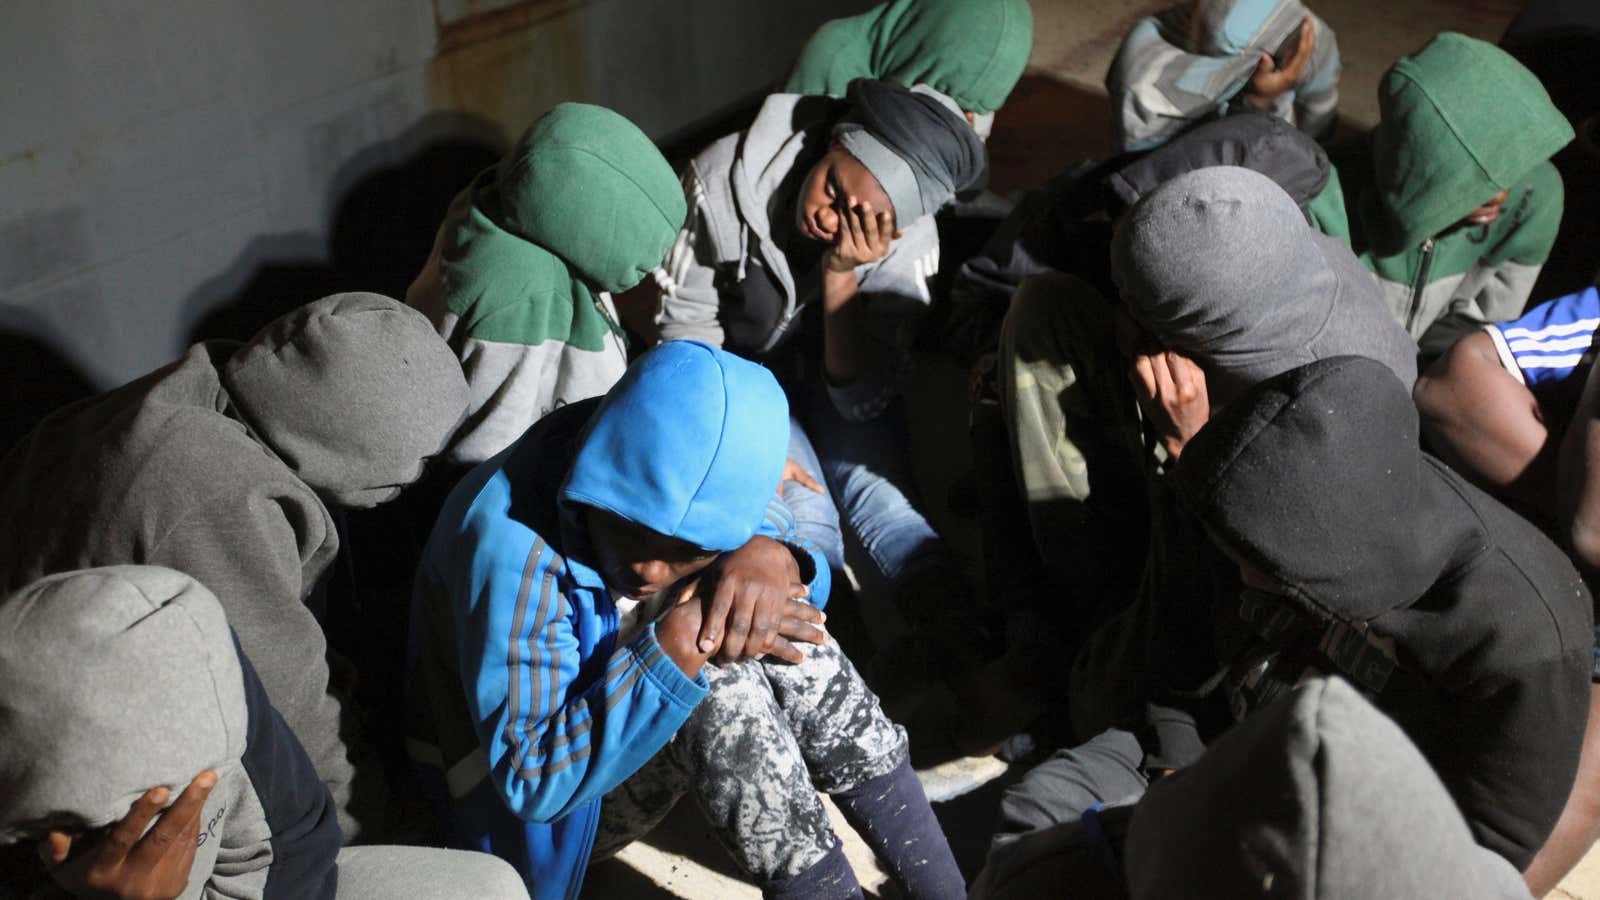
(1552, 342)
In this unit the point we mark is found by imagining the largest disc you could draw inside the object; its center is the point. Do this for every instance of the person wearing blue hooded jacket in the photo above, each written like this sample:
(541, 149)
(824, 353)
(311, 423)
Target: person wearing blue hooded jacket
(617, 610)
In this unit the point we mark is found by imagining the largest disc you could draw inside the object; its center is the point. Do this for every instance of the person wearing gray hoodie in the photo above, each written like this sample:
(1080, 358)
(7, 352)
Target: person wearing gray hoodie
(1223, 284)
(140, 660)
(1318, 795)
(227, 464)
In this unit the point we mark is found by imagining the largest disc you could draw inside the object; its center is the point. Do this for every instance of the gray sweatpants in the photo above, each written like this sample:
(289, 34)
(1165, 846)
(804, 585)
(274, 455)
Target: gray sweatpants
(755, 752)
(425, 873)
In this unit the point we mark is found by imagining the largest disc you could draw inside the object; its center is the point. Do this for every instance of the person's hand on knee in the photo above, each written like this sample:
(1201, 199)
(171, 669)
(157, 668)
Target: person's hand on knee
(757, 605)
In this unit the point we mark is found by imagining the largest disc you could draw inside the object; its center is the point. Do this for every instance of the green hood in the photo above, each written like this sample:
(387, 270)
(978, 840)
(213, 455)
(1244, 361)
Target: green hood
(972, 51)
(583, 203)
(1461, 121)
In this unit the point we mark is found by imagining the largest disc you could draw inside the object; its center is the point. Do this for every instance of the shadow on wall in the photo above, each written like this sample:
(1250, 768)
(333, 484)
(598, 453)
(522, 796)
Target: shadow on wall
(41, 377)
(387, 203)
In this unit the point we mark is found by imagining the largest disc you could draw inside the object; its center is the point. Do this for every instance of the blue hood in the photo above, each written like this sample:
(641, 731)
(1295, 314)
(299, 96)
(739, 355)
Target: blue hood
(690, 443)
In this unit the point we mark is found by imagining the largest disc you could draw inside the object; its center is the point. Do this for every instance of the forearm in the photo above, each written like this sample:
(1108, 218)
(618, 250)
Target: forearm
(1487, 425)
(847, 345)
(1578, 478)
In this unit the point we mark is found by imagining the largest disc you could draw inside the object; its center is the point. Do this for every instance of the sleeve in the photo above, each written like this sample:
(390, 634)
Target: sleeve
(780, 525)
(1551, 342)
(559, 731)
(1141, 118)
(1327, 212)
(689, 299)
(252, 555)
(1498, 287)
(282, 837)
(1316, 101)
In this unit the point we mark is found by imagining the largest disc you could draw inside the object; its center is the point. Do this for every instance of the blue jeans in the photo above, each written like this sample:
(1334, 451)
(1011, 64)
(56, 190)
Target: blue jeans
(867, 470)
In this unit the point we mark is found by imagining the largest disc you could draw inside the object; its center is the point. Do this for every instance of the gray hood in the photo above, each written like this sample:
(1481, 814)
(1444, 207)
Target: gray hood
(1221, 264)
(353, 393)
(1316, 796)
(112, 681)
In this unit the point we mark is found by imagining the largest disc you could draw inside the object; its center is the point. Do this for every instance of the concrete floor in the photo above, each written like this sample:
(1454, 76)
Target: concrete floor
(1055, 117)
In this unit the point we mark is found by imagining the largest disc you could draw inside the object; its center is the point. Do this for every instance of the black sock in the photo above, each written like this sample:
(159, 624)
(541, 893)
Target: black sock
(831, 878)
(892, 814)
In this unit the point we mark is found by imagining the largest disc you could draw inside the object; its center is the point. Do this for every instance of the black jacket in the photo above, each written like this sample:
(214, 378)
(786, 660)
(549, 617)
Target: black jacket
(1065, 224)
(1315, 479)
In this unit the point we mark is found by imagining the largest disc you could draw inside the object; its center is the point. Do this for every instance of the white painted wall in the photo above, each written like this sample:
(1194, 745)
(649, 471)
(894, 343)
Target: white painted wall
(155, 156)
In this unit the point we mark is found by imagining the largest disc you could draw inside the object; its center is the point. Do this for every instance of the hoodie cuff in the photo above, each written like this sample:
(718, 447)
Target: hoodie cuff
(661, 671)
(814, 572)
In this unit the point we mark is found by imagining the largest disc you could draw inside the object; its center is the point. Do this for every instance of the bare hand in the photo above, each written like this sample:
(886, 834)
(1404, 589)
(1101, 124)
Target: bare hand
(757, 604)
(863, 237)
(128, 863)
(1269, 80)
(793, 472)
(1172, 392)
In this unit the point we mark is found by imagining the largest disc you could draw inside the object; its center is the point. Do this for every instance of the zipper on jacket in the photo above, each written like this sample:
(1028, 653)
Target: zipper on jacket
(1421, 284)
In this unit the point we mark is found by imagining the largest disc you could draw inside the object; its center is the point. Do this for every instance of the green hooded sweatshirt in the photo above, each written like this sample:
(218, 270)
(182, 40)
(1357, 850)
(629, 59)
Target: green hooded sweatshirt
(1461, 121)
(522, 269)
(972, 51)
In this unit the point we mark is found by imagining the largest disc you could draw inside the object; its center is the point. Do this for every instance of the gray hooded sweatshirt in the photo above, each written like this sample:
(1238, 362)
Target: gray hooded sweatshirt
(728, 282)
(117, 680)
(223, 465)
(1317, 796)
(1220, 263)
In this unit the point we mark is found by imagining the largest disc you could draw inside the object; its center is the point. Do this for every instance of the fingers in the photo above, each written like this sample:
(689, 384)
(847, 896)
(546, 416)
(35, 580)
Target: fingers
(787, 651)
(55, 847)
(791, 629)
(711, 623)
(1180, 377)
(126, 833)
(1144, 375)
(741, 615)
(182, 820)
(869, 225)
(801, 477)
(1266, 66)
(803, 612)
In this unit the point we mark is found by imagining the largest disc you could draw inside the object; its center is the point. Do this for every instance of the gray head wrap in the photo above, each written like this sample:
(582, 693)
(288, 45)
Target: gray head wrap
(915, 141)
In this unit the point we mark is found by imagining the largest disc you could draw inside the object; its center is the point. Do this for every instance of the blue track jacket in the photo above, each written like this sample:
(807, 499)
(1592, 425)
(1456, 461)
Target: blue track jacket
(524, 710)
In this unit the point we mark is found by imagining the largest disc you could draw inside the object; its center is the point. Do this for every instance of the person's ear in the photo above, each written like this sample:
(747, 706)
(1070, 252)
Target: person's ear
(972, 118)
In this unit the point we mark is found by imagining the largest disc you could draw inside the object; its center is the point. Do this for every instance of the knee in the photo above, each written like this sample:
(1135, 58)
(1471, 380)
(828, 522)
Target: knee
(495, 879)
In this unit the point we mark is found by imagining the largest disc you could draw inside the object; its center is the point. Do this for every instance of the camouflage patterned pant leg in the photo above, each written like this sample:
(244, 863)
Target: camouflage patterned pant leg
(631, 809)
(765, 738)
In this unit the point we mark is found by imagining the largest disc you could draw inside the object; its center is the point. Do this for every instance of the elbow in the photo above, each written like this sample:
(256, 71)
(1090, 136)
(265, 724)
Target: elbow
(1583, 542)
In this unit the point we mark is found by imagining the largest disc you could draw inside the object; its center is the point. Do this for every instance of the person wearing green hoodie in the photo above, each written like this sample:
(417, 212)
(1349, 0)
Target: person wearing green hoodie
(1462, 204)
(972, 51)
(525, 266)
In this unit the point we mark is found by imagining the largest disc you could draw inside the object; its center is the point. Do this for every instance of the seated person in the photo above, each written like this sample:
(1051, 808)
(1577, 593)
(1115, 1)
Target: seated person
(229, 465)
(1364, 556)
(1065, 224)
(1202, 58)
(1317, 795)
(124, 687)
(527, 264)
(1513, 408)
(1499, 406)
(1458, 205)
(568, 608)
(810, 245)
(1223, 284)
(972, 51)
